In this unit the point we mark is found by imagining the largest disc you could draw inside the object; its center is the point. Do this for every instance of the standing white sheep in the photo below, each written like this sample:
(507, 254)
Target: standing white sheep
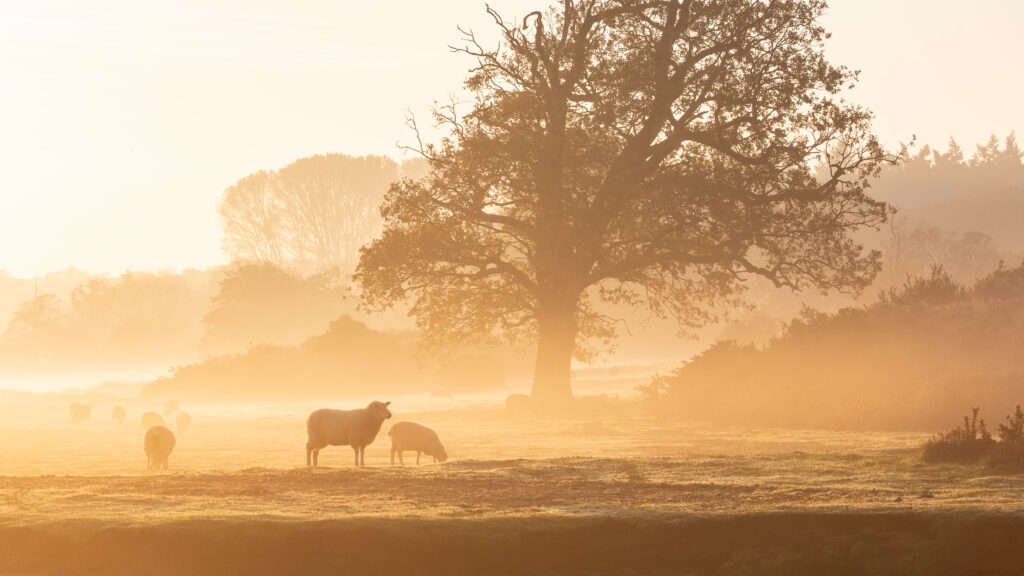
(158, 444)
(355, 428)
(183, 421)
(80, 413)
(414, 436)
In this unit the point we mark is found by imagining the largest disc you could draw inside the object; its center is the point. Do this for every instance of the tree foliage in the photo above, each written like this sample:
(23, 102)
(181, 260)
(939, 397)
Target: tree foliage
(317, 210)
(261, 303)
(652, 153)
(912, 360)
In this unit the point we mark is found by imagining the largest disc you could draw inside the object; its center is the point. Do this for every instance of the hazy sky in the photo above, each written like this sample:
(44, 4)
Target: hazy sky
(122, 121)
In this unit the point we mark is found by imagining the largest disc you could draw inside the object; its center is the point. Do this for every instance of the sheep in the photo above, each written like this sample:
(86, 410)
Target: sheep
(518, 404)
(415, 436)
(171, 407)
(150, 419)
(183, 421)
(355, 428)
(158, 445)
(80, 413)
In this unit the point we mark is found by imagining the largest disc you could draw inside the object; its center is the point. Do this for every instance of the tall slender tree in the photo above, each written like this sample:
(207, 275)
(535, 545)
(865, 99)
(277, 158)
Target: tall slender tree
(649, 152)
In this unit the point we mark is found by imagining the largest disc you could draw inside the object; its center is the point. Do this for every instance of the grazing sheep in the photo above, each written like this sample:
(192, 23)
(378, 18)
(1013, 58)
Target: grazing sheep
(183, 421)
(158, 445)
(355, 428)
(414, 436)
(171, 407)
(150, 419)
(80, 413)
(518, 404)
(119, 414)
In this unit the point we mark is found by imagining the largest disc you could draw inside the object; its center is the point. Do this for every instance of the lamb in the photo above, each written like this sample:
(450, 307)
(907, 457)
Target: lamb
(158, 445)
(150, 419)
(414, 436)
(80, 413)
(183, 421)
(355, 428)
(119, 414)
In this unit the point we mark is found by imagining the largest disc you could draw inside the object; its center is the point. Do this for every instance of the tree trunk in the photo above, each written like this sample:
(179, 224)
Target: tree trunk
(551, 382)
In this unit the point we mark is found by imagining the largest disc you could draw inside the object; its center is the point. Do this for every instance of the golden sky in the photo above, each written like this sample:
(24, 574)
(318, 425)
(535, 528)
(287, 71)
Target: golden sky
(121, 121)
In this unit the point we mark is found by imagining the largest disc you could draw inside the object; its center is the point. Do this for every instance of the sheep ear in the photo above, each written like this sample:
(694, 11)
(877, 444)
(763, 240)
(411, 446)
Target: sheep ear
(387, 403)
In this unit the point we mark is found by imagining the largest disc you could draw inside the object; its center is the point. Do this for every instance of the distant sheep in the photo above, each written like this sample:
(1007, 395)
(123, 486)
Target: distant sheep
(183, 421)
(407, 436)
(80, 413)
(158, 445)
(119, 414)
(171, 407)
(355, 428)
(150, 419)
(518, 404)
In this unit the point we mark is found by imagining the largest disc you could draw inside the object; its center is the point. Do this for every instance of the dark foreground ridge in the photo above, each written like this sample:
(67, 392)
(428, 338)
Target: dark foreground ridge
(764, 544)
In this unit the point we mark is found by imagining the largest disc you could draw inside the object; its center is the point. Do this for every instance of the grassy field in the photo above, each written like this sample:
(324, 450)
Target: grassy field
(563, 495)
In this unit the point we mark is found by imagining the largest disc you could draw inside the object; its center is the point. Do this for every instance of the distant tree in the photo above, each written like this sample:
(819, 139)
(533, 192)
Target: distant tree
(954, 156)
(317, 211)
(35, 330)
(35, 319)
(653, 154)
(989, 154)
(253, 225)
(260, 303)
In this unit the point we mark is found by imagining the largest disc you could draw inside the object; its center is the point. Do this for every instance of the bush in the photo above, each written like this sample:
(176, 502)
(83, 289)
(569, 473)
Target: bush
(973, 443)
(965, 445)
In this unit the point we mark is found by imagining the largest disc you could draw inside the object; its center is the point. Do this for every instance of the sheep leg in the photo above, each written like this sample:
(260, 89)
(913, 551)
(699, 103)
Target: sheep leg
(362, 456)
(400, 461)
(392, 452)
(355, 450)
(417, 457)
(316, 458)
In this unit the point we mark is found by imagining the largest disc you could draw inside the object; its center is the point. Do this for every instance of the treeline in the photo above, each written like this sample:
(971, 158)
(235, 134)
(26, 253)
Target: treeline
(160, 319)
(349, 359)
(912, 360)
(135, 319)
(292, 235)
(962, 214)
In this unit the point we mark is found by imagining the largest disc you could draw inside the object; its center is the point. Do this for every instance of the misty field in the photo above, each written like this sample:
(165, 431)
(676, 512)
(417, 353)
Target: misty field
(572, 493)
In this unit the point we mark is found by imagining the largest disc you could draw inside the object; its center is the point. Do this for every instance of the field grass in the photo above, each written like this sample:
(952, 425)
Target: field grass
(618, 495)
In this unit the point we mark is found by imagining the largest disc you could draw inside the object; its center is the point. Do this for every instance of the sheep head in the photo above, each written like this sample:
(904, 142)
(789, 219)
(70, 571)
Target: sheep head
(379, 409)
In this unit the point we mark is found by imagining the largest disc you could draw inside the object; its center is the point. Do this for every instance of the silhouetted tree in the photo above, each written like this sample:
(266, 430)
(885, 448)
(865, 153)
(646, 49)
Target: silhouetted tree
(650, 153)
(316, 211)
(34, 329)
(34, 319)
(260, 303)
(253, 225)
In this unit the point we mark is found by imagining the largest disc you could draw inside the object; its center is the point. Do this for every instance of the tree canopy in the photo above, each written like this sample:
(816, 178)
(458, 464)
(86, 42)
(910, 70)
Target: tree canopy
(655, 153)
(316, 211)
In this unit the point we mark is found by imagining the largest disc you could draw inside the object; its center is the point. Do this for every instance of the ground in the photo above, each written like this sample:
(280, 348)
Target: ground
(564, 494)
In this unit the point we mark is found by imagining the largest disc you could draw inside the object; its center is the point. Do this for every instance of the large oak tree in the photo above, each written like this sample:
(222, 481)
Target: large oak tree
(648, 152)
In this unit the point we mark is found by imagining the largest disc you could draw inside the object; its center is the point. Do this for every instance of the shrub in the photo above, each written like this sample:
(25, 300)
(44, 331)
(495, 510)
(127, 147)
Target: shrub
(964, 445)
(973, 443)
